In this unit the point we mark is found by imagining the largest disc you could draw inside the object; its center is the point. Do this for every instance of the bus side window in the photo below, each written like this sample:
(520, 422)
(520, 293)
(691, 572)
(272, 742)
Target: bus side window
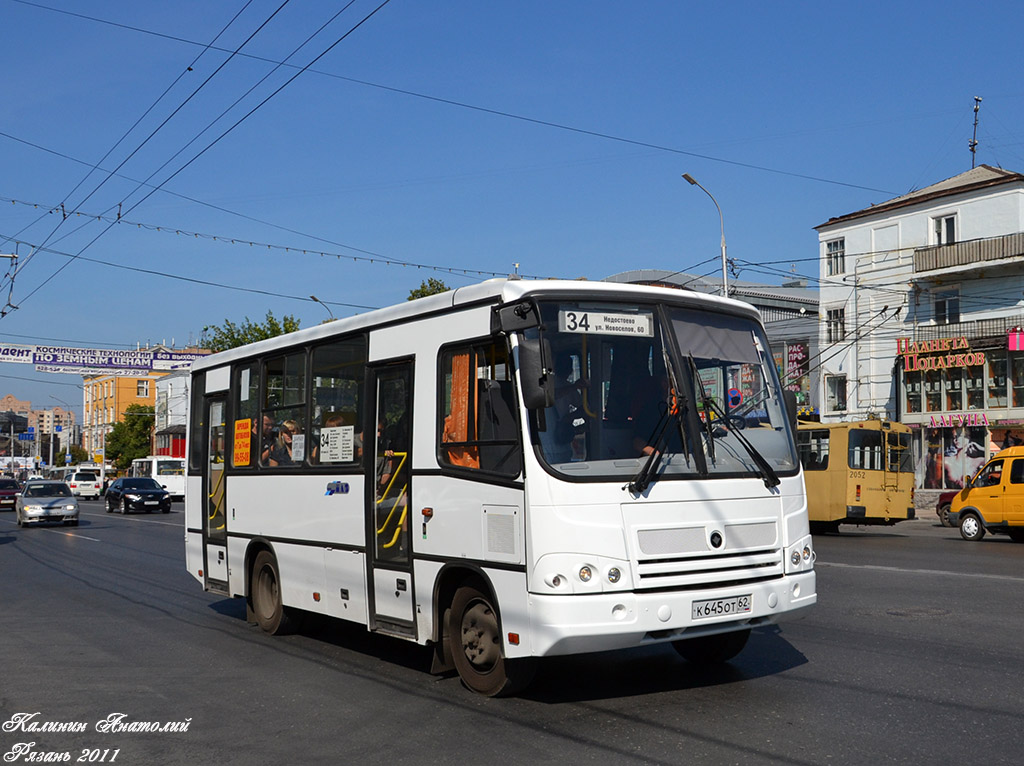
(479, 428)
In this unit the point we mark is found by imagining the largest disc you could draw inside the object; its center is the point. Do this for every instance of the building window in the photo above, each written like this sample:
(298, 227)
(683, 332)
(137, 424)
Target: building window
(142, 389)
(836, 325)
(996, 380)
(947, 306)
(835, 390)
(835, 256)
(944, 229)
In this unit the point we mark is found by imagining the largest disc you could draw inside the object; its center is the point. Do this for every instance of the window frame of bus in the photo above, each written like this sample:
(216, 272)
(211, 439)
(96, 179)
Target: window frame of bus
(301, 407)
(443, 399)
(197, 418)
(361, 341)
(253, 366)
(260, 364)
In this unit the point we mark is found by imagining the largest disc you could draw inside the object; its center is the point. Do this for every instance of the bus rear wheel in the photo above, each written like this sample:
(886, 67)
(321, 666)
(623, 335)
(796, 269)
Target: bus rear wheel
(971, 528)
(712, 650)
(474, 638)
(265, 592)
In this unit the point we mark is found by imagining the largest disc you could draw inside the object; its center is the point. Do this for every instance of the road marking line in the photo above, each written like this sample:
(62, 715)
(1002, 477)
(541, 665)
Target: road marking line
(128, 517)
(976, 575)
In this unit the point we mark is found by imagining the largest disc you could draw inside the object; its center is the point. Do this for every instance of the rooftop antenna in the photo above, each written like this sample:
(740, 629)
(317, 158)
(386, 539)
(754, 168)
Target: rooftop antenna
(973, 144)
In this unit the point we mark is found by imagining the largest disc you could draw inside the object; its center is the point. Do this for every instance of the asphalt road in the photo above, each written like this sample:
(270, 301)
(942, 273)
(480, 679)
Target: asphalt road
(912, 655)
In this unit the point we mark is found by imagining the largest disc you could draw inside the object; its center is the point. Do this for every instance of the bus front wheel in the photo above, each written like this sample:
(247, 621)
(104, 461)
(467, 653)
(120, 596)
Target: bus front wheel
(712, 650)
(971, 528)
(474, 638)
(265, 592)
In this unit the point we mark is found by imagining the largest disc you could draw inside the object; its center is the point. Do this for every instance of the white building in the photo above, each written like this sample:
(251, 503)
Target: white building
(922, 298)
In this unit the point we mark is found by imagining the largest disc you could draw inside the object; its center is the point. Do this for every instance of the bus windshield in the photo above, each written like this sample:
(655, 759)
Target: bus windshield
(698, 387)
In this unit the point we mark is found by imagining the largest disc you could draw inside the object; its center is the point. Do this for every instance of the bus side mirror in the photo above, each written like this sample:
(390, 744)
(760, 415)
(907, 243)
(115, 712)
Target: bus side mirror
(967, 481)
(789, 397)
(538, 387)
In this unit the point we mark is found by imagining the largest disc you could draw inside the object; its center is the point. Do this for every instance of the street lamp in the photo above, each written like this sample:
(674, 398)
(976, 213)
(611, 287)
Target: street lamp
(317, 300)
(721, 219)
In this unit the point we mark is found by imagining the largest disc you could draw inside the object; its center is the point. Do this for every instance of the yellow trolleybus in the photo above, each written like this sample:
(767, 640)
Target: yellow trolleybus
(857, 473)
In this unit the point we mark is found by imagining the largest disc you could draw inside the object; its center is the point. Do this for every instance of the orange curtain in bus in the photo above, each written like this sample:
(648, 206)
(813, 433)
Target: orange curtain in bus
(456, 425)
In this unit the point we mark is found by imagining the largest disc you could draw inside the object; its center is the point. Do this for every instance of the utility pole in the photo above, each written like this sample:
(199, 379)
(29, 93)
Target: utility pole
(974, 139)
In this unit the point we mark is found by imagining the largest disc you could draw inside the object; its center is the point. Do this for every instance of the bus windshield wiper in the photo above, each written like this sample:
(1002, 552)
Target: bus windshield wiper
(707, 404)
(765, 470)
(639, 483)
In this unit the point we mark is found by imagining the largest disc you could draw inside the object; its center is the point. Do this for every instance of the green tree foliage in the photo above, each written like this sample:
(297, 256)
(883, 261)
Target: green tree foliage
(430, 287)
(130, 438)
(78, 455)
(230, 335)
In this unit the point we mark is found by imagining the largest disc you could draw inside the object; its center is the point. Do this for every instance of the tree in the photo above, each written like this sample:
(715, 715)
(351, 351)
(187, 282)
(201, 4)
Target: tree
(130, 438)
(78, 455)
(231, 335)
(430, 287)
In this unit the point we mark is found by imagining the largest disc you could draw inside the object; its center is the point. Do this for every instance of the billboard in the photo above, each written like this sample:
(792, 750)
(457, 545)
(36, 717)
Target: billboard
(93, 361)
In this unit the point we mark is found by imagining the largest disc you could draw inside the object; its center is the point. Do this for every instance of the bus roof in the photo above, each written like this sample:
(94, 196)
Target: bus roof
(490, 291)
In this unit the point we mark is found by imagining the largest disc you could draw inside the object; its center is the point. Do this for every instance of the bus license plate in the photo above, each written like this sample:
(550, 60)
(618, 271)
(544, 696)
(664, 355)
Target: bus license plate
(721, 607)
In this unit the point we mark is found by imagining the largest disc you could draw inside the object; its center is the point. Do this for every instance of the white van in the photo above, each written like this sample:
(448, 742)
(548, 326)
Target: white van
(169, 472)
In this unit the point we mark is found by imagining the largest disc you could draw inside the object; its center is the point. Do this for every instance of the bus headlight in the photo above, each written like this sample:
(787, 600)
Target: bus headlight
(614, 575)
(800, 557)
(586, 573)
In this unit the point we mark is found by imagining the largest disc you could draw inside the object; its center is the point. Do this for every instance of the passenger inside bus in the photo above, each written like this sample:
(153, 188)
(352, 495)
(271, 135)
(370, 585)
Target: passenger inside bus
(266, 438)
(564, 437)
(282, 449)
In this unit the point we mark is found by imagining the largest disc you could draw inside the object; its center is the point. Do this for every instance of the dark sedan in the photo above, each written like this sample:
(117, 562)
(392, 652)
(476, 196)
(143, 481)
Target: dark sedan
(9, 489)
(128, 494)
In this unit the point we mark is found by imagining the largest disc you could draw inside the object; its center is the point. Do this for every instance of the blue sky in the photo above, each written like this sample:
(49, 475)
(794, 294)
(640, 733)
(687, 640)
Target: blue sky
(463, 136)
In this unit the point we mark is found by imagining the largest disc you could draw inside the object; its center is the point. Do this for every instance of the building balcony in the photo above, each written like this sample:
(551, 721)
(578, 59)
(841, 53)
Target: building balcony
(963, 255)
(994, 330)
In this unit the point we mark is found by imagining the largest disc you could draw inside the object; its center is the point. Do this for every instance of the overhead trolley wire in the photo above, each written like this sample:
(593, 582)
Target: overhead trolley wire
(494, 112)
(212, 144)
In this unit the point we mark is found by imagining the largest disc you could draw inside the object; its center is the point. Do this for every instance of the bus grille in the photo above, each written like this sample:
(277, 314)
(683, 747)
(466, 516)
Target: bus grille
(680, 558)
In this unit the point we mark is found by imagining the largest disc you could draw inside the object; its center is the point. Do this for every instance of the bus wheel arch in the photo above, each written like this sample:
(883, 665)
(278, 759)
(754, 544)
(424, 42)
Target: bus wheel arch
(971, 526)
(264, 602)
(469, 631)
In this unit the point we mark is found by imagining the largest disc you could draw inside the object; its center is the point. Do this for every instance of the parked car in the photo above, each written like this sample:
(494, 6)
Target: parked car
(993, 500)
(85, 484)
(135, 494)
(41, 501)
(943, 505)
(9, 489)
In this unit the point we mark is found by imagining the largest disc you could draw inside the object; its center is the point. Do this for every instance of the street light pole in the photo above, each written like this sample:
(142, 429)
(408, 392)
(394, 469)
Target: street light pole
(317, 300)
(721, 219)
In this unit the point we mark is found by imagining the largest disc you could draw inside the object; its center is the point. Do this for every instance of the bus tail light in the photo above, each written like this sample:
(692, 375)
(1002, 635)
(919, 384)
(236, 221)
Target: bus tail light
(858, 493)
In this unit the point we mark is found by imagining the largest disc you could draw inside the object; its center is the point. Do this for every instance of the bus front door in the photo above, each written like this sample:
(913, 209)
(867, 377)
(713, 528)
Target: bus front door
(388, 500)
(214, 518)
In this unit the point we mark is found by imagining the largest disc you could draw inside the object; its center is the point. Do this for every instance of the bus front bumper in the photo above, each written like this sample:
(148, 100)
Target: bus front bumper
(575, 624)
